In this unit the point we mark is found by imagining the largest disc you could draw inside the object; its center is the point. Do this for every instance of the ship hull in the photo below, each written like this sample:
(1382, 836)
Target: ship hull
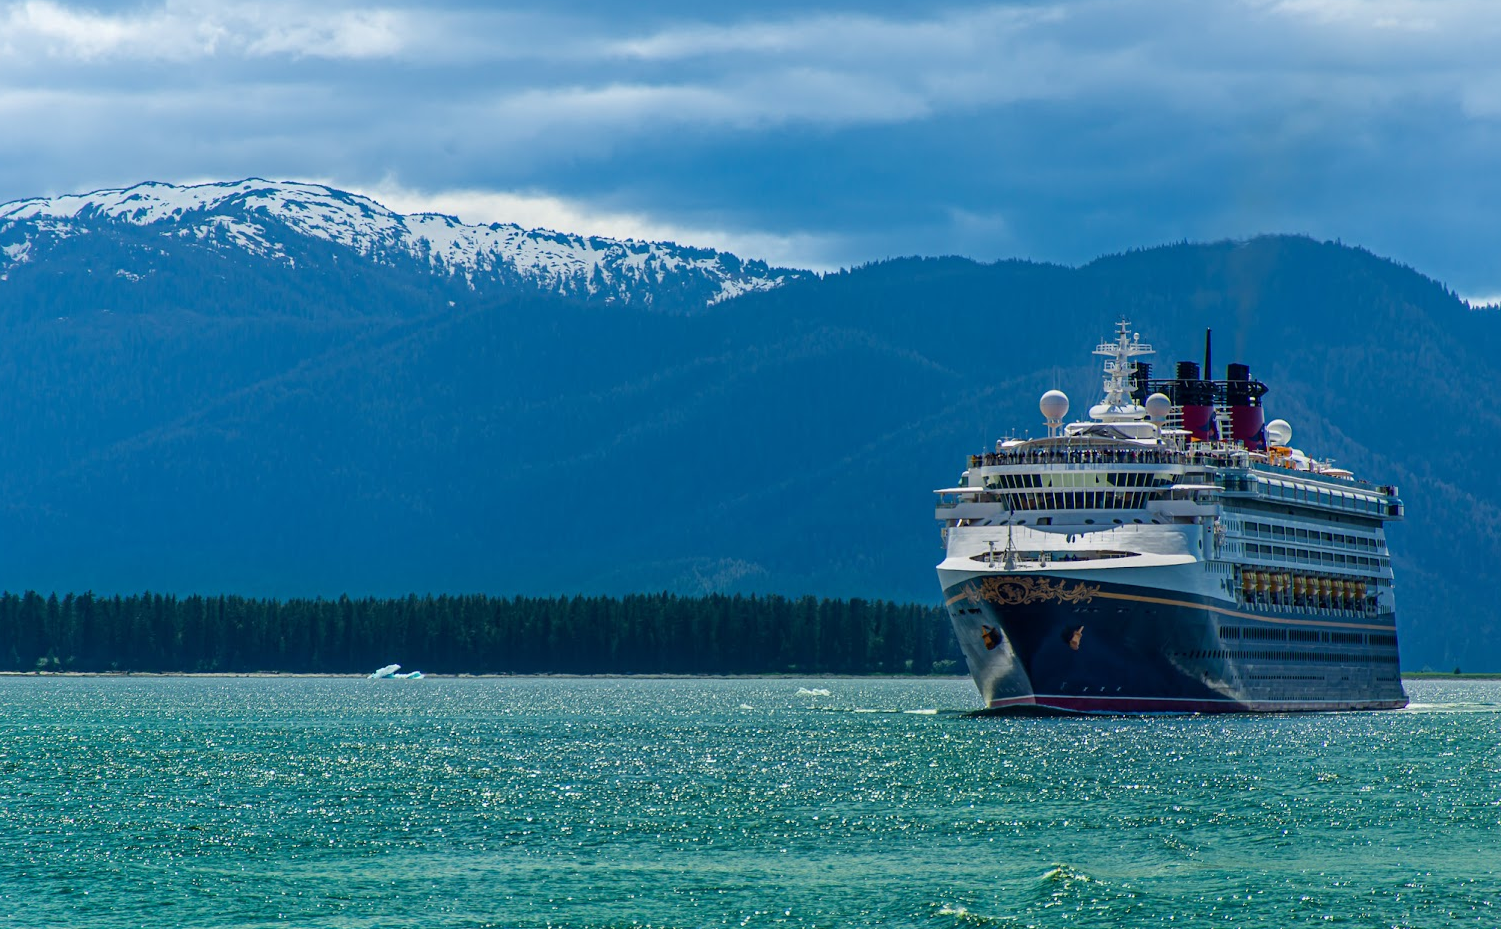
(1037, 643)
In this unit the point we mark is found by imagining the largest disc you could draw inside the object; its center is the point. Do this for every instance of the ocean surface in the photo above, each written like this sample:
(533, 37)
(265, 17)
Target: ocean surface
(212, 802)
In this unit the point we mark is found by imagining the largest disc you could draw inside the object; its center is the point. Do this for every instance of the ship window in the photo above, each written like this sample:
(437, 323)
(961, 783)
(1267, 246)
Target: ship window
(1302, 535)
(1279, 552)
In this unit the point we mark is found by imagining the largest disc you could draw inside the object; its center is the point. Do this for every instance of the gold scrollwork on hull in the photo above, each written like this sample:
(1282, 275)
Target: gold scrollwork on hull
(1015, 591)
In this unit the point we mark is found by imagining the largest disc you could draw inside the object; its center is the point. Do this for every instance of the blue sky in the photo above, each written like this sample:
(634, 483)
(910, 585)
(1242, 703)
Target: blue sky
(812, 134)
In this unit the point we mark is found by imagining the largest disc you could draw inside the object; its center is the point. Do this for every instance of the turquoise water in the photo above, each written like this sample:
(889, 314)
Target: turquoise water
(446, 803)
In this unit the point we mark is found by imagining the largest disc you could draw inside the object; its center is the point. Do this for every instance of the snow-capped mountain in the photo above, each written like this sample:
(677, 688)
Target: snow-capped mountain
(263, 219)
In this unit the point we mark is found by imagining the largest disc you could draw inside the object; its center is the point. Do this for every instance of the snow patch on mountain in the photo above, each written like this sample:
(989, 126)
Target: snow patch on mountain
(252, 215)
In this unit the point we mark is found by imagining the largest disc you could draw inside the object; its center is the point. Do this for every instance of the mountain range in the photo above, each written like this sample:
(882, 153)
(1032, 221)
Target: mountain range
(273, 221)
(282, 389)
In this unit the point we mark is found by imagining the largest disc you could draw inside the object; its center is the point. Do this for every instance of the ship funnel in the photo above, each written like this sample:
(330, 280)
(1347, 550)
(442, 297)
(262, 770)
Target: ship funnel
(1196, 397)
(1243, 396)
(1139, 378)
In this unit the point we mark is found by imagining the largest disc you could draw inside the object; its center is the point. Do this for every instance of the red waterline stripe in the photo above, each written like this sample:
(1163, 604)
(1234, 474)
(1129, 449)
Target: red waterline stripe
(1185, 704)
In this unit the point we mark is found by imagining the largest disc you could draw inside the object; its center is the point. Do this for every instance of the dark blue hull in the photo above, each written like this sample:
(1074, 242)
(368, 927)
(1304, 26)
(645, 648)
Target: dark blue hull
(1054, 644)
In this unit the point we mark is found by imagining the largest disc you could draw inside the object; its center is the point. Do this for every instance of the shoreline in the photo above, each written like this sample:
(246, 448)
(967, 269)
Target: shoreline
(620, 676)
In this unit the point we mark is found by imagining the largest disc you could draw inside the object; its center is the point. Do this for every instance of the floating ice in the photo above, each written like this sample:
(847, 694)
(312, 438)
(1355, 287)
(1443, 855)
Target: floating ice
(815, 692)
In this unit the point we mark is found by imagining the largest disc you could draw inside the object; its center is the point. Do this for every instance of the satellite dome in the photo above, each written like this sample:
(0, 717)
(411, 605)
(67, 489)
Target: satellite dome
(1158, 406)
(1278, 432)
(1054, 406)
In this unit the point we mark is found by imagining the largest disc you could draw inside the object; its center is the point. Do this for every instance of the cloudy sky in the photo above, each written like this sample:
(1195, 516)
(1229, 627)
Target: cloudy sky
(821, 133)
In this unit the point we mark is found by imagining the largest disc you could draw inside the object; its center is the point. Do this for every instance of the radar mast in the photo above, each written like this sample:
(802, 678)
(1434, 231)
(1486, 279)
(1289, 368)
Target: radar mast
(1118, 406)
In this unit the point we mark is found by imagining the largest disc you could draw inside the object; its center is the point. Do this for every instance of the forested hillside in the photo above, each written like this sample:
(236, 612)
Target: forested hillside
(639, 634)
(234, 425)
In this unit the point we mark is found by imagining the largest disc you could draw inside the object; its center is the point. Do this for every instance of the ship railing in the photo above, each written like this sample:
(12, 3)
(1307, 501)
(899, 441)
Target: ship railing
(1076, 457)
(1318, 606)
(1058, 556)
(1325, 480)
(1337, 496)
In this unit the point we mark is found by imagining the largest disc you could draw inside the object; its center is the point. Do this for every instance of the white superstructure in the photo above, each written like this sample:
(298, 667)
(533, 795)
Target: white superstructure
(1258, 539)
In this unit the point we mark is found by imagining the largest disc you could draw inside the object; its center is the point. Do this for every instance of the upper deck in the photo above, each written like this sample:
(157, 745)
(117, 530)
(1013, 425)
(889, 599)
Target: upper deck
(1190, 456)
(1094, 473)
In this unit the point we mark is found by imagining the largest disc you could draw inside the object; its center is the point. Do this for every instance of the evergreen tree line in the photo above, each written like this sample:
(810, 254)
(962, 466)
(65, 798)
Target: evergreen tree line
(641, 633)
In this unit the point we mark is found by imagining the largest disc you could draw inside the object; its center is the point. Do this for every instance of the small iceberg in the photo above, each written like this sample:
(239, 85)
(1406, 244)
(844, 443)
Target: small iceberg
(815, 692)
(389, 672)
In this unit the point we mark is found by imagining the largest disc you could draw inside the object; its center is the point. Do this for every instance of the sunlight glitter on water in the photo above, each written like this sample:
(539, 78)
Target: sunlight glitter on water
(532, 802)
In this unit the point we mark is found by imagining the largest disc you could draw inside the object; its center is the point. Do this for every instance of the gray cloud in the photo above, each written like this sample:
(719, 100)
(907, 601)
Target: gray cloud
(1051, 130)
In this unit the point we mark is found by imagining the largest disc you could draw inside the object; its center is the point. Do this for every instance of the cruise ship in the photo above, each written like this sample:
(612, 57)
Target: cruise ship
(1173, 553)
